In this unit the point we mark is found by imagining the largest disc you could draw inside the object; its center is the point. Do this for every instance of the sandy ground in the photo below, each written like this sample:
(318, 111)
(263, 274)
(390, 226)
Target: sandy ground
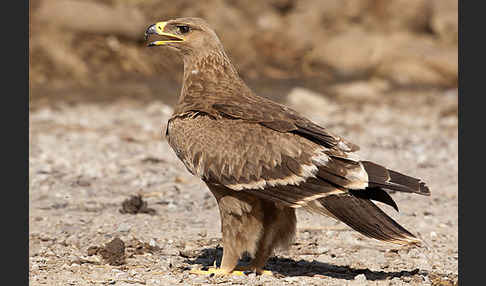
(86, 159)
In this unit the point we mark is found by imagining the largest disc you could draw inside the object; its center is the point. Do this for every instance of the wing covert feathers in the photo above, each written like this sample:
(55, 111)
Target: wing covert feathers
(248, 156)
(282, 119)
(291, 170)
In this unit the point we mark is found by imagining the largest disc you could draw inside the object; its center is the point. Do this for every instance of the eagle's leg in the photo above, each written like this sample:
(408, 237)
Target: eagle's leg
(241, 226)
(279, 225)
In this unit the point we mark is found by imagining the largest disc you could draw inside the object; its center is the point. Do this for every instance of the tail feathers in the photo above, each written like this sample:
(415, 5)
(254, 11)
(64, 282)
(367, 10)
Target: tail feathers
(381, 177)
(365, 217)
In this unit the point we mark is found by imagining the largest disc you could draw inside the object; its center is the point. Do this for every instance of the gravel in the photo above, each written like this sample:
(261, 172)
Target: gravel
(86, 159)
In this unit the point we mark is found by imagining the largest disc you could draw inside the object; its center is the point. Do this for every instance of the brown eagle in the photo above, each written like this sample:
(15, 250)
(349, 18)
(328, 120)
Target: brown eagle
(262, 160)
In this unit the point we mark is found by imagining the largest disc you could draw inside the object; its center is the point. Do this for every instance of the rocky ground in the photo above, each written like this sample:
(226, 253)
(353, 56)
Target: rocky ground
(88, 159)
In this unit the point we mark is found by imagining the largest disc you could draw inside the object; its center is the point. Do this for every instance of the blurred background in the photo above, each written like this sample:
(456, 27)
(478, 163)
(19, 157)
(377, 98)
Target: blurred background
(381, 73)
(94, 49)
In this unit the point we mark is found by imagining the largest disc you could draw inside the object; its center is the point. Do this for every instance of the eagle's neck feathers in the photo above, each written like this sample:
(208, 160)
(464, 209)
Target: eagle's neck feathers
(209, 78)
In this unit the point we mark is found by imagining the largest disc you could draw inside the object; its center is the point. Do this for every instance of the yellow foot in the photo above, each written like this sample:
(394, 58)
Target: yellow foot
(239, 270)
(258, 271)
(216, 271)
(265, 272)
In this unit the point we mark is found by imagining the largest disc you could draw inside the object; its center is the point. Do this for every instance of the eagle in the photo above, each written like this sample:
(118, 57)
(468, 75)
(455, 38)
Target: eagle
(263, 160)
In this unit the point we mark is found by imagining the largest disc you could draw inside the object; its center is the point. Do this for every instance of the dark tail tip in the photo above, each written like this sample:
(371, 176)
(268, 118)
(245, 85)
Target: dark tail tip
(423, 189)
(382, 177)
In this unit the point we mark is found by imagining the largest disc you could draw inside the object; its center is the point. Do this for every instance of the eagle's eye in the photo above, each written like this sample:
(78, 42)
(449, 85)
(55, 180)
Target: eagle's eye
(183, 29)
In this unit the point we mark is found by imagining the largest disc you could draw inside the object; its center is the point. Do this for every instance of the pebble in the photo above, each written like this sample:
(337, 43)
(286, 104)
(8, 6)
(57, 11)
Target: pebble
(121, 275)
(360, 277)
(199, 279)
(124, 227)
(406, 278)
(129, 284)
(291, 279)
(74, 259)
(152, 243)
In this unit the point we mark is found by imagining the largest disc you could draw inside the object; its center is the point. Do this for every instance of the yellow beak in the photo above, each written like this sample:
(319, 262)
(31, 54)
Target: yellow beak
(158, 29)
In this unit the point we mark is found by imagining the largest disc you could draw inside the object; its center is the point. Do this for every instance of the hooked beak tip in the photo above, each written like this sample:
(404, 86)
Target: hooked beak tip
(149, 31)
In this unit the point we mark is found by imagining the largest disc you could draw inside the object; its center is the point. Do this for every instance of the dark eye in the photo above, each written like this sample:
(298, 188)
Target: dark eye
(183, 29)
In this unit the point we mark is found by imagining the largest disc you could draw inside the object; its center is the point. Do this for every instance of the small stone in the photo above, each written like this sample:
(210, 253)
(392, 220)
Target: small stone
(74, 259)
(114, 252)
(152, 243)
(92, 250)
(134, 205)
(124, 227)
(360, 277)
(292, 279)
(406, 278)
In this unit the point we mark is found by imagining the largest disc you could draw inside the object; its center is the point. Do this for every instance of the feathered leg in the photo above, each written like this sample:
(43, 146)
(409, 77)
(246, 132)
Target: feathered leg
(279, 225)
(241, 226)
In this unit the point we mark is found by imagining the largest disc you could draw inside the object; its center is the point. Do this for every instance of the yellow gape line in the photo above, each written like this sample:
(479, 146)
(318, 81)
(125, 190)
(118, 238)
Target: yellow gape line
(158, 29)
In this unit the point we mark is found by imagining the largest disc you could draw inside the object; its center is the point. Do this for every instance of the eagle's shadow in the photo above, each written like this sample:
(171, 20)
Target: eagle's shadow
(288, 267)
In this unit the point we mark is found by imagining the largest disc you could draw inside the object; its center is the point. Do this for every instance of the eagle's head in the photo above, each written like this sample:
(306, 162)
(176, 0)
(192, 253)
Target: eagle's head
(187, 35)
